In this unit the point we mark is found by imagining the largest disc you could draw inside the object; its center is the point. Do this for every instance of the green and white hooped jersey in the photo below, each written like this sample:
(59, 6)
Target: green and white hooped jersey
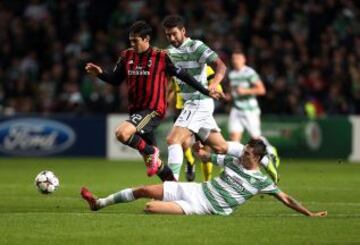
(244, 78)
(235, 185)
(192, 55)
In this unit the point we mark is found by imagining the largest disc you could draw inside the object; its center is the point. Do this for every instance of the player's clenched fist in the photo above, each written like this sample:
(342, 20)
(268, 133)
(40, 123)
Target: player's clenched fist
(93, 69)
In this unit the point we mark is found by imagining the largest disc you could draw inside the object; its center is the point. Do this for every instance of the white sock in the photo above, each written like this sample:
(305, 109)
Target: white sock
(125, 195)
(266, 142)
(265, 161)
(269, 147)
(175, 159)
(234, 148)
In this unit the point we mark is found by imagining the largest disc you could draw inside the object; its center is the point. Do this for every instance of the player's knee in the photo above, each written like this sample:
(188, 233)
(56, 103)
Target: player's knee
(121, 135)
(171, 140)
(143, 191)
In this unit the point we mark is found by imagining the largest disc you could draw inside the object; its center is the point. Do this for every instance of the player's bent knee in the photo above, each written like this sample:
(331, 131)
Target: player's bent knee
(142, 191)
(121, 135)
(171, 140)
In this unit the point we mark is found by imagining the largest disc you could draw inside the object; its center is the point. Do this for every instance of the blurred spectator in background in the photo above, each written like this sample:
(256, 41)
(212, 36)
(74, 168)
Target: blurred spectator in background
(307, 52)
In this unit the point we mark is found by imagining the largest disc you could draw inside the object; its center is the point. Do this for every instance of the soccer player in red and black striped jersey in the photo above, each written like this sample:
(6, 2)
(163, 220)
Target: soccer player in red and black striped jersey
(145, 70)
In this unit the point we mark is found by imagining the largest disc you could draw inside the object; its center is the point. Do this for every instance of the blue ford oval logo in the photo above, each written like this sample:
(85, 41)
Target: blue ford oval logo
(34, 137)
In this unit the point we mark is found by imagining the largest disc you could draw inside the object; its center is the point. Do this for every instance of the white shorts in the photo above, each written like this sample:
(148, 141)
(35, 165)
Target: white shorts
(249, 120)
(189, 196)
(197, 116)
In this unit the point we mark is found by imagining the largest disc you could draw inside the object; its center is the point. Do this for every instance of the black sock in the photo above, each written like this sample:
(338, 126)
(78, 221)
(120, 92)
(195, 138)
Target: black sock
(165, 173)
(136, 142)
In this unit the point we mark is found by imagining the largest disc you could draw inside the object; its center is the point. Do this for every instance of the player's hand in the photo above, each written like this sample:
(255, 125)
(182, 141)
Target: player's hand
(319, 214)
(200, 151)
(216, 95)
(213, 86)
(93, 69)
(197, 146)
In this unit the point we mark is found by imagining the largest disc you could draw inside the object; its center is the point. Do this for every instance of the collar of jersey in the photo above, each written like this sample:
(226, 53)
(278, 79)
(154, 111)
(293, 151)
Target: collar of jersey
(188, 39)
(243, 68)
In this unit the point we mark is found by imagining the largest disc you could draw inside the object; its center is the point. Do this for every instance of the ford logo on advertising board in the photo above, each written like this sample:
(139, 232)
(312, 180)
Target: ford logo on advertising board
(34, 137)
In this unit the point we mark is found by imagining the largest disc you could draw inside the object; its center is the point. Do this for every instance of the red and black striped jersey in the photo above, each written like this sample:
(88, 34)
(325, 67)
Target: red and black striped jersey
(146, 79)
(146, 75)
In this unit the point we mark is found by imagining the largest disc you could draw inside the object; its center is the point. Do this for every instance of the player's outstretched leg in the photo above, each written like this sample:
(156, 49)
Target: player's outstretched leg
(123, 196)
(90, 198)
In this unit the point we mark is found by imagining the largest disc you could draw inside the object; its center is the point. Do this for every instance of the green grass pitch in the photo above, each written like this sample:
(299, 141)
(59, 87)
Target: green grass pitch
(28, 217)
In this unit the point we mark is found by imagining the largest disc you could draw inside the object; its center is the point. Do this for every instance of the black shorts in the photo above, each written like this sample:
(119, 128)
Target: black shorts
(146, 122)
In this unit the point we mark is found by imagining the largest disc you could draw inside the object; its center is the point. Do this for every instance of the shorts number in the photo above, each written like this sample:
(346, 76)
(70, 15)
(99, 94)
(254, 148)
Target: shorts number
(185, 115)
(136, 118)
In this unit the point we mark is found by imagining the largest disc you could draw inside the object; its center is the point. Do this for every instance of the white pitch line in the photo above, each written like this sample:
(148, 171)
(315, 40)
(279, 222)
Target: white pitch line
(265, 215)
(300, 215)
(354, 204)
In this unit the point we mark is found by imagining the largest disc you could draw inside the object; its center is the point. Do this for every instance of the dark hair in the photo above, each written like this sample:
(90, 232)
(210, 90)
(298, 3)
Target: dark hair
(141, 29)
(238, 51)
(172, 21)
(258, 146)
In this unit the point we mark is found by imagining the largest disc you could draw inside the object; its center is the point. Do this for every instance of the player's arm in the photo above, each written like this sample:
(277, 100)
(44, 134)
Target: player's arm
(220, 69)
(115, 77)
(206, 156)
(172, 70)
(257, 86)
(298, 207)
(257, 89)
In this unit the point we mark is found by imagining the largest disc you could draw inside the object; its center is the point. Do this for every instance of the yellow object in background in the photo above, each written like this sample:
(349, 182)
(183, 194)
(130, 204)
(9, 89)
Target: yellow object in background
(189, 156)
(207, 168)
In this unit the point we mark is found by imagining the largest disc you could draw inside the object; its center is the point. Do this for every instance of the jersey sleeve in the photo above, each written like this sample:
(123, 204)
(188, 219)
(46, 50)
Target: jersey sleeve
(205, 54)
(222, 160)
(270, 188)
(117, 75)
(254, 77)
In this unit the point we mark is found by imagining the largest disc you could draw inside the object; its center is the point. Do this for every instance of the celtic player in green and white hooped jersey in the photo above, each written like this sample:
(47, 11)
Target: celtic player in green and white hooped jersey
(245, 112)
(197, 114)
(235, 185)
(192, 55)
(246, 78)
(240, 181)
(245, 85)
